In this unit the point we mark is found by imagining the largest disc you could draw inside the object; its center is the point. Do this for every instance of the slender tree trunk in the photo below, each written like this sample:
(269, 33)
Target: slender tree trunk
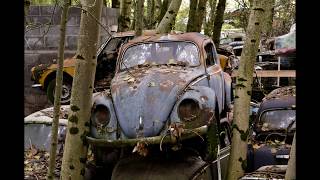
(139, 17)
(168, 20)
(243, 89)
(201, 14)
(115, 4)
(268, 20)
(58, 91)
(150, 14)
(291, 169)
(124, 18)
(157, 11)
(192, 16)
(164, 8)
(76, 146)
(218, 21)
(134, 15)
(209, 24)
(26, 10)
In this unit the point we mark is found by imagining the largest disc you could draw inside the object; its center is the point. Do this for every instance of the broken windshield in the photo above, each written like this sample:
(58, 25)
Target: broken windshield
(278, 120)
(179, 53)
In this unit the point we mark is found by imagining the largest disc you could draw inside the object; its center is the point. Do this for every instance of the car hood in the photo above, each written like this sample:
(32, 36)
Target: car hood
(144, 97)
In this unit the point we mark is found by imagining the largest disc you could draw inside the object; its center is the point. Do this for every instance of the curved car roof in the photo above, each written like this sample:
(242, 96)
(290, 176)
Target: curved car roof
(195, 37)
(278, 102)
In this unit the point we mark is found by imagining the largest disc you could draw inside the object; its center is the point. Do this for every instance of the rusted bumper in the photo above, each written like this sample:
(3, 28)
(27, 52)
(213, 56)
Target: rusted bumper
(187, 134)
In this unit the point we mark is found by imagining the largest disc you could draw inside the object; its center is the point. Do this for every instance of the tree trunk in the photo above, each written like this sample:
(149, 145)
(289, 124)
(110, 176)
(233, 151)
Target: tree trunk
(150, 14)
(192, 16)
(163, 10)
(124, 18)
(76, 146)
(139, 17)
(26, 10)
(218, 21)
(291, 169)
(115, 4)
(209, 24)
(243, 89)
(267, 20)
(200, 15)
(157, 12)
(133, 22)
(58, 91)
(168, 20)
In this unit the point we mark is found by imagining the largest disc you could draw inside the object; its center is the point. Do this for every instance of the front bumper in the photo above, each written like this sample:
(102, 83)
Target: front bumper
(187, 134)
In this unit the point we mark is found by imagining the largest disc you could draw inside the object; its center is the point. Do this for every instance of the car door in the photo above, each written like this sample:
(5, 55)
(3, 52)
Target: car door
(215, 73)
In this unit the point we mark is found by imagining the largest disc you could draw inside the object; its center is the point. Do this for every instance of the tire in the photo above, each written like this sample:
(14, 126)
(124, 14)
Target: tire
(66, 91)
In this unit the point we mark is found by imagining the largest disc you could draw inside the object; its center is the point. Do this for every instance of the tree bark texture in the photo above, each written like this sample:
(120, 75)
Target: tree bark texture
(58, 91)
(124, 18)
(163, 10)
(76, 146)
(243, 89)
(291, 169)
(168, 20)
(201, 14)
(192, 16)
(267, 20)
(209, 24)
(218, 21)
(157, 11)
(139, 17)
(150, 14)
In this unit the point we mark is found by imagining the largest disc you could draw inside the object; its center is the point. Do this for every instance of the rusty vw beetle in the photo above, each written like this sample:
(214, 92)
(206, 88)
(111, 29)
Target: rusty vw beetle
(168, 95)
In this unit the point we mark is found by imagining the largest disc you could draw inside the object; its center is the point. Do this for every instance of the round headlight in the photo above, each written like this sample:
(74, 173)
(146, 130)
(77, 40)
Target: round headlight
(101, 115)
(188, 110)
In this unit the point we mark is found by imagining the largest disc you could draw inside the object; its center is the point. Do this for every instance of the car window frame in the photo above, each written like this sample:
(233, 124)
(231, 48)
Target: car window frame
(119, 61)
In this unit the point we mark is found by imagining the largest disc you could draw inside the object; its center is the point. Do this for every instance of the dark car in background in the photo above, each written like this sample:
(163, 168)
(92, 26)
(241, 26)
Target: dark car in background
(273, 130)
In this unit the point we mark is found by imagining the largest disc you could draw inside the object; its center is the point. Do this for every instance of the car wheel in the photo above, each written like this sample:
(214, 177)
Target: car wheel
(66, 91)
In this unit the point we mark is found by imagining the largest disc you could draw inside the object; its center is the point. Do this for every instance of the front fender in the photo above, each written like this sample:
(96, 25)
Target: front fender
(206, 99)
(110, 130)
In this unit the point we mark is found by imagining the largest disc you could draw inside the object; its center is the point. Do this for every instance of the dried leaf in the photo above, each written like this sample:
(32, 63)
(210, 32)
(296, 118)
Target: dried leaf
(151, 84)
(131, 80)
(141, 149)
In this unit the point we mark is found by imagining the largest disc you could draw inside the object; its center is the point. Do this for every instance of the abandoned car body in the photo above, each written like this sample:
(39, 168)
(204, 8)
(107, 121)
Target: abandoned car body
(168, 95)
(273, 130)
(44, 75)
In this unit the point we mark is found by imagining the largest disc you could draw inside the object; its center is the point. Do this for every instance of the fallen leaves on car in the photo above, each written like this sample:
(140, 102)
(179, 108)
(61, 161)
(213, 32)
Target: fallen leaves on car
(141, 149)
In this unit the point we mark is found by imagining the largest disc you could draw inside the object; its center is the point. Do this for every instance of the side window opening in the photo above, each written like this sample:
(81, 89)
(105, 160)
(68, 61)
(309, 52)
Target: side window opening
(210, 56)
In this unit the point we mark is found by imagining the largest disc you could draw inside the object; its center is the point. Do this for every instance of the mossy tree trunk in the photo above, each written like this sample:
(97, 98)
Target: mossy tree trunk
(201, 14)
(209, 24)
(124, 18)
(268, 20)
(191, 26)
(243, 89)
(157, 12)
(218, 21)
(164, 7)
(139, 17)
(150, 14)
(58, 91)
(291, 169)
(76, 146)
(168, 20)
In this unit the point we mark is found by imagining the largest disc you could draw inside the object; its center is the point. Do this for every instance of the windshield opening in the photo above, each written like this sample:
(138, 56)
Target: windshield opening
(179, 53)
(277, 120)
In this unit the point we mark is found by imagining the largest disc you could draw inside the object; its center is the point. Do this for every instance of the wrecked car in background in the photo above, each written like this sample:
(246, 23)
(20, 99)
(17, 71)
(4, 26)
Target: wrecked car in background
(167, 104)
(273, 130)
(44, 75)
